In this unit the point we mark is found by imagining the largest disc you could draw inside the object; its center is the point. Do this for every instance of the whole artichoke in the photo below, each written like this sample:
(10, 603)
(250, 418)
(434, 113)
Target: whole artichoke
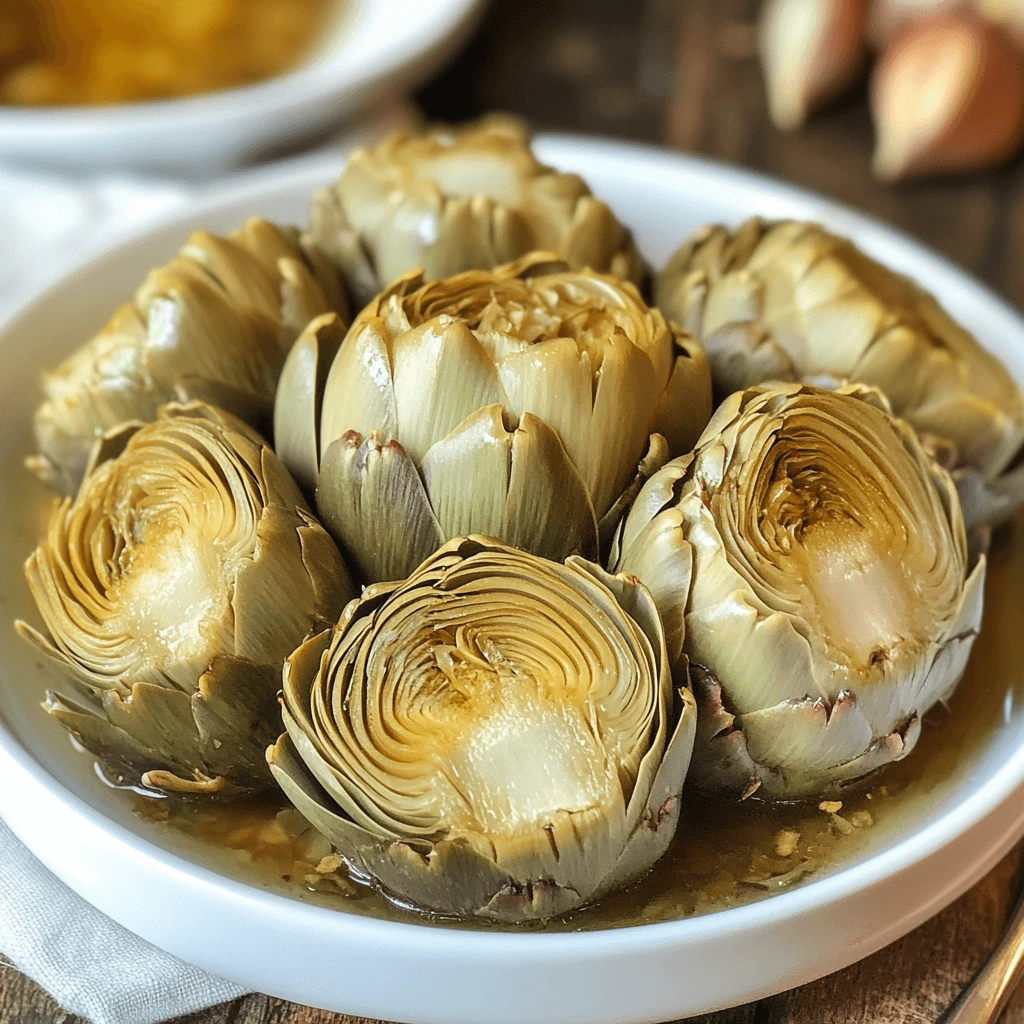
(172, 588)
(515, 403)
(498, 735)
(810, 559)
(788, 301)
(213, 324)
(450, 200)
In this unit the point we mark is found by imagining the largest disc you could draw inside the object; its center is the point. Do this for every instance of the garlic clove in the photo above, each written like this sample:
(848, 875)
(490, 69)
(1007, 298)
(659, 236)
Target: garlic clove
(811, 50)
(889, 17)
(947, 96)
(1008, 13)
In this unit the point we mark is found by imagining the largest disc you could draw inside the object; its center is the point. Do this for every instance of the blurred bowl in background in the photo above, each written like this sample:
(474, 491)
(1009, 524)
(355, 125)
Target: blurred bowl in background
(371, 49)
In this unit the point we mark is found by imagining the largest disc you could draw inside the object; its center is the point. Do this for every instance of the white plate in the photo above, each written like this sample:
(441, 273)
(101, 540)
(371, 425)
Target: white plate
(336, 960)
(373, 48)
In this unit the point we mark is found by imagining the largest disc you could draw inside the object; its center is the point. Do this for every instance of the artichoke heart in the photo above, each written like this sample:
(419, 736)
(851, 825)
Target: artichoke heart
(515, 403)
(214, 324)
(810, 558)
(172, 588)
(789, 301)
(450, 200)
(498, 735)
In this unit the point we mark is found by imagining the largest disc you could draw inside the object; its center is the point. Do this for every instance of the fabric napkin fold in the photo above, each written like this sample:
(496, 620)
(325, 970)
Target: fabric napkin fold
(89, 964)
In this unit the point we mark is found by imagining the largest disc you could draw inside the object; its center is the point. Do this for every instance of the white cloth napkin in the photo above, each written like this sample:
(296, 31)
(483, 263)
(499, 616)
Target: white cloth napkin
(92, 966)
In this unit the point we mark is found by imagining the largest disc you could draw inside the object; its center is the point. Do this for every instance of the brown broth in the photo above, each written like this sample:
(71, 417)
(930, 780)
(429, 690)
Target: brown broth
(724, 853)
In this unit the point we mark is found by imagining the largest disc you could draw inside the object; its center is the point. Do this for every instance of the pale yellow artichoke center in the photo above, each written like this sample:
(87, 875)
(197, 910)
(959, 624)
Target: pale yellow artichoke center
(836, 545)
(172, 591)
(511, 747)
(863, 598)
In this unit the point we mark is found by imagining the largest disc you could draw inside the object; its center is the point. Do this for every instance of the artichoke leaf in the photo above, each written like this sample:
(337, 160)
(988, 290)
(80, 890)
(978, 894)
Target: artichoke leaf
(299, 397)
(549, 509)
(467, 475)
(373, 502)
(658, 454)
(441, 375)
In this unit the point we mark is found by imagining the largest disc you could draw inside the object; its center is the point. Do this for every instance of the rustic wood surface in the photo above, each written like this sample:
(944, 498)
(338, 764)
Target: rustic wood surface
(683, 72)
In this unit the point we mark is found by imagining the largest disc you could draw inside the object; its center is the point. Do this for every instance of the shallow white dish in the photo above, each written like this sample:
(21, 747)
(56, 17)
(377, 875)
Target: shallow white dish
(374, 48)
(332, 959)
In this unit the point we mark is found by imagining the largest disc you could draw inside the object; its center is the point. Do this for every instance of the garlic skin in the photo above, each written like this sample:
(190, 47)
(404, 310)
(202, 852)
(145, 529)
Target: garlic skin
(889, 17)
(811, 50)
(947, 96)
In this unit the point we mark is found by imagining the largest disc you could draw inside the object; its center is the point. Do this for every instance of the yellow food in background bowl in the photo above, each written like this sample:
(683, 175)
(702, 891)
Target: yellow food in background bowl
(65, 52)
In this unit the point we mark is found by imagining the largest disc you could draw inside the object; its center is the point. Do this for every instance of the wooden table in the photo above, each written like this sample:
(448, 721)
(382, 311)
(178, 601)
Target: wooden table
(684, 72)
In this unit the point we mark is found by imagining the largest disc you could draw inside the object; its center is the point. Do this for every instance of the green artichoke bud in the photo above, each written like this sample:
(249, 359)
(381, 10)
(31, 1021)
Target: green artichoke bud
(788, 301)
(810, 558)
(450, 200)
(498, 735)
(172, 588)
(515, 403)
(214, 324)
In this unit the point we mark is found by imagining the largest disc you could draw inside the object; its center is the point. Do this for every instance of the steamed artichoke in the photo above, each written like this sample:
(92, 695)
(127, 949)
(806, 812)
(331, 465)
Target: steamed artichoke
(788, 301)
(450, 200)
(816, 557)
(515, 403)
(214, 324)
(172, 588)
(498, 735)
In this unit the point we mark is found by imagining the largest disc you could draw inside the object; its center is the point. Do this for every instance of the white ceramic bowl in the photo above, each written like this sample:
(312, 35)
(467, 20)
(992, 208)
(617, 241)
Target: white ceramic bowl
(408, 972)
(374, 48)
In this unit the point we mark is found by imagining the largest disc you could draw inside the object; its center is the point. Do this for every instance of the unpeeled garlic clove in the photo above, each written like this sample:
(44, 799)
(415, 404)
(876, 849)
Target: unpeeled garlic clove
(947, 96)
(889, 17)
(811, 51)
(1008, 13)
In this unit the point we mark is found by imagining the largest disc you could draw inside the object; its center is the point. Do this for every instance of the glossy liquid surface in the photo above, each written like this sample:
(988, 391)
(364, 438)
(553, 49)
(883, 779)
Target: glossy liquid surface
(725, 853)
(66, 52)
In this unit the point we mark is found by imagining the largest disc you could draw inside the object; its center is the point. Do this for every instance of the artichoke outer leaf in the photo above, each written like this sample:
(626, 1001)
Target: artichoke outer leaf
(466, 475)
(359, 394)
(372, 500)
(441, 375)
(989, 501)
(452, 877)
(299, 397)
(685, 406)
(549, 511)
(331, 233)
(658, 455)
(209, 742)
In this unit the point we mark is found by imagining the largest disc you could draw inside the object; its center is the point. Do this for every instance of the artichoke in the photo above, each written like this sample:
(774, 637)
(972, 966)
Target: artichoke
(815, 556)
(498, 735)
(450, 200)
(214, 324)
(788, 301)
(172, 588)
(514, 403)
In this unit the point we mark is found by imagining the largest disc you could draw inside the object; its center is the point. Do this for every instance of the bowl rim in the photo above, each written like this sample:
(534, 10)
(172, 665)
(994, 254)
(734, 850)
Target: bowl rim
(492, 944)
(417, 30)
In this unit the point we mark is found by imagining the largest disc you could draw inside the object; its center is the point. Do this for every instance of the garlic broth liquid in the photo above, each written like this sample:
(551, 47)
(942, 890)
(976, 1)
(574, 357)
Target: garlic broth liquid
(724, 854)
